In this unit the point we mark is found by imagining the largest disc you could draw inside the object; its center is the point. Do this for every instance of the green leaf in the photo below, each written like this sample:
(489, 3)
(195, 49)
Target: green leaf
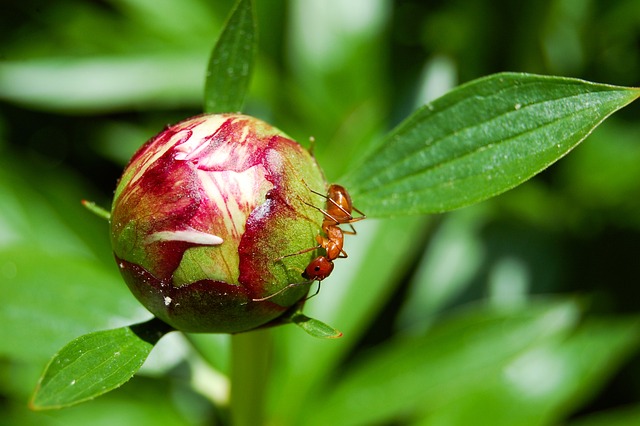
(57, 268)
(96, 209)
(94, 84)
(479, 140)
(342, 301)
(419, 372)
(53, 297)
(96, 363)
(528, 366)
(232, 59)
(315, 327)
(544, 384)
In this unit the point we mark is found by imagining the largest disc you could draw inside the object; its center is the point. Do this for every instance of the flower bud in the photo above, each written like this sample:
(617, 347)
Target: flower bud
(203, 215)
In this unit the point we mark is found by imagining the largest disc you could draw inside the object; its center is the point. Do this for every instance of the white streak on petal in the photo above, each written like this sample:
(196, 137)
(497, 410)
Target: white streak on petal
(189, 236)
(263, 210)
(235, 195)
(275, 161)
(199, 139)
(227, 156)
(188, 153)
(245, 133)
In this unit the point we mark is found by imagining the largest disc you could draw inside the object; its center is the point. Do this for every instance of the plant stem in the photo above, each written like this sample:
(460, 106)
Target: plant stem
(250, 360)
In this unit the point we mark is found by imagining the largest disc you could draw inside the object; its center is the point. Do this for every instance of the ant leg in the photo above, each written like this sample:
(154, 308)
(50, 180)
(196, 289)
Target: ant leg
(318, 193)
(314, 294)
(352, 232)
(353, 219)
(324, 212)
(262, 299)
(364, 216)
(343, 210)
(298, 252)
(311, 190)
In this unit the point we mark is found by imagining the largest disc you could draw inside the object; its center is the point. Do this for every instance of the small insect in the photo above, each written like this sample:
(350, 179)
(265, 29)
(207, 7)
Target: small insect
(338, 211)
(339, 208)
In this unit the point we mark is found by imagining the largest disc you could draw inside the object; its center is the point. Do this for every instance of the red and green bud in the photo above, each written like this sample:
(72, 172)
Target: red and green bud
(203, 215)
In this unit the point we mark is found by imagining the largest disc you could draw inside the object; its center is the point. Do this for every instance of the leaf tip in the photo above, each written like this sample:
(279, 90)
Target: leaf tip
(32, 405)
(315, 328)
(95, 209)
(35, 402)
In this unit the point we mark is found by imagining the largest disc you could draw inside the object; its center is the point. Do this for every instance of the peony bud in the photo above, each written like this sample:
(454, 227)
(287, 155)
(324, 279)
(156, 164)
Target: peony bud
(203, 215)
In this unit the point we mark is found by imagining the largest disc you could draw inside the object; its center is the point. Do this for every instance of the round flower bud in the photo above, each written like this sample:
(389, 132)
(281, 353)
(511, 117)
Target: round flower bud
(203, 216)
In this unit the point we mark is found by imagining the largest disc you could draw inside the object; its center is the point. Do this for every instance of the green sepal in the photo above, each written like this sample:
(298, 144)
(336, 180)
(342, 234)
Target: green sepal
(96, 209)
(312, 326)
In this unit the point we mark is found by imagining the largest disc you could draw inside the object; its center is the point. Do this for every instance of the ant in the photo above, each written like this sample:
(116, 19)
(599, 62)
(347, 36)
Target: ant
(338, 211)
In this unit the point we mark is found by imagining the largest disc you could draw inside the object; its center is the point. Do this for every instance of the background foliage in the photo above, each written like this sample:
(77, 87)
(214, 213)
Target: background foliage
(522, 309)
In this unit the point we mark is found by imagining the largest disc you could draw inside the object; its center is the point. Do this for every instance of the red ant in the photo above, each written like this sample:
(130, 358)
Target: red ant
(338, 210)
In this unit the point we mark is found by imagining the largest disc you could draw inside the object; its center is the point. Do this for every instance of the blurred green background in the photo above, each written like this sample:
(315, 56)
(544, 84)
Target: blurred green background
(520, 310)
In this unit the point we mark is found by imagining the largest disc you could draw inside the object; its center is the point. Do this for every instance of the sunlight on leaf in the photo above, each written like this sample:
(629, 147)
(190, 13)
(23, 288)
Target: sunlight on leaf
(478, 141)
(485, 366)
(103, 83)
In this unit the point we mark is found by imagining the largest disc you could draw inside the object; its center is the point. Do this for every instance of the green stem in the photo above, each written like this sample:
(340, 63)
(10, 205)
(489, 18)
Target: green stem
(250, 360)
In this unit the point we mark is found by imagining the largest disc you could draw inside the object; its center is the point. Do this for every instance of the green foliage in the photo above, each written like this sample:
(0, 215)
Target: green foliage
(231, 62)
(479, 140)
(522, 362)
(96, 363)
(441, 316)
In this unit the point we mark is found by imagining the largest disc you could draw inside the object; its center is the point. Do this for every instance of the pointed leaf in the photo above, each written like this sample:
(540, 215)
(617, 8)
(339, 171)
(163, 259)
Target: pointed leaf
(96, 209)
(479, 140)
(229, 71)
(544, 384)
(96, 363)
(531, 365)
(314, 327)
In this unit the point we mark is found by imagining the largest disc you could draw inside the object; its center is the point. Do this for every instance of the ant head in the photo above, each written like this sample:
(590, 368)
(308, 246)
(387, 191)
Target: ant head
(318, 269)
